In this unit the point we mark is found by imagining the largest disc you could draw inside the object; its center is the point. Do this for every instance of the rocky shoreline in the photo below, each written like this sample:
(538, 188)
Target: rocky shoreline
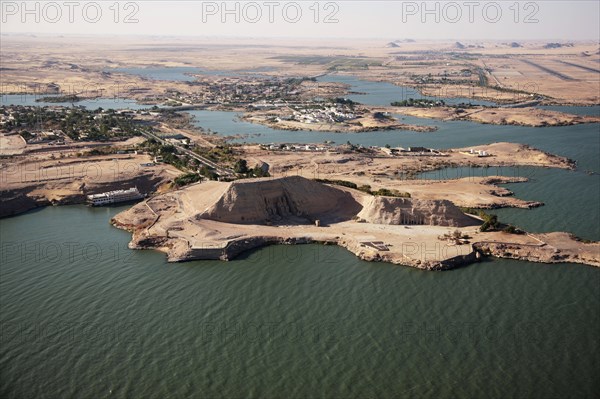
(540, 253)
(552, 248)
(177, 252)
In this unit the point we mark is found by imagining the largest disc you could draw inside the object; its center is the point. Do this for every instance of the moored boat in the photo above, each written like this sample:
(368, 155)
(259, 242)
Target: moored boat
(114, 197)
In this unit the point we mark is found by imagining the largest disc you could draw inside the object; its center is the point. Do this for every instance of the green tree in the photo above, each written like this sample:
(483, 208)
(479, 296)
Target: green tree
(259, 172)
(490, 222)
(366, 188)
(241, 166)
(208, 173)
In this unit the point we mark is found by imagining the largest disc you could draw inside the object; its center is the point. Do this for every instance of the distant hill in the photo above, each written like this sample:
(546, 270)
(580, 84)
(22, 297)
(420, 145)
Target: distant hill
(398, 41)
(557, 45)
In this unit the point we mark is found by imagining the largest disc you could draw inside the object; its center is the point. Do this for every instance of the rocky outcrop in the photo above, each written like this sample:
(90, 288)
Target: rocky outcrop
(281, 200)
(407, 211)
(453, 261)
(550, 248)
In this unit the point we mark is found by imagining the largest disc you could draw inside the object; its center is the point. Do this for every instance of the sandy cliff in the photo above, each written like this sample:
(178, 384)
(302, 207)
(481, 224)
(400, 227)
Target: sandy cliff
(269, 201)
(407, 211)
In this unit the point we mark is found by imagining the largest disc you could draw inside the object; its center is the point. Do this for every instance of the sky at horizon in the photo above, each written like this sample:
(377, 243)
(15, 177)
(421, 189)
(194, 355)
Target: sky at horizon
(431, 20)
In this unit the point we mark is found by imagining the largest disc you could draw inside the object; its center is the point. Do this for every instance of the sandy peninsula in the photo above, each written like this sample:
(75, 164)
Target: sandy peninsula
(527, 116)
(218, 220)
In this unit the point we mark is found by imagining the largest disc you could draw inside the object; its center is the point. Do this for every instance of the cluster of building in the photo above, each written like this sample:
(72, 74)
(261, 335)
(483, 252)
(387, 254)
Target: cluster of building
(236, 90)
(397, 151)
(477, 153)
(56, 137)
(18, 119)
(327, 114)
(462, 75)
(411, 151)
(297, 147)
(177, 139)
(60, 124)
(8, 118)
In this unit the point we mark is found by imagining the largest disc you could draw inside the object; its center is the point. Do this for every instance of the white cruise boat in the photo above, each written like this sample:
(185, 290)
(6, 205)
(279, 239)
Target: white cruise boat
(113, 197)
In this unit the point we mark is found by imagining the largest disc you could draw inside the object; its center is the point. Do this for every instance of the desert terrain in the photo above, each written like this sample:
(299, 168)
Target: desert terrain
(492, 70)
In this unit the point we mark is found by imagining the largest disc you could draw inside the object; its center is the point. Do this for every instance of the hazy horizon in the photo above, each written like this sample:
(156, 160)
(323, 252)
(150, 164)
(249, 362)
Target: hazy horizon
(442, 20)
(299, 38)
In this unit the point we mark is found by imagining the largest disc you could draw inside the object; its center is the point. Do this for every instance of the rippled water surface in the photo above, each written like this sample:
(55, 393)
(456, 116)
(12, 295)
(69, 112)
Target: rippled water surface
(83, 316)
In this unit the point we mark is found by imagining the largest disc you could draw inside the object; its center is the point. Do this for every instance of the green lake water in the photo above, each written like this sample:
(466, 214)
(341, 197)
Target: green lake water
(82, 316)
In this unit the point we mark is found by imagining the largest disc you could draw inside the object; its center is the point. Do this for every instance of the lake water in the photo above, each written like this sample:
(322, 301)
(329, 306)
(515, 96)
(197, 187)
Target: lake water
(383, 93)
(83, 316)
(577, 110)
(450, 134)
